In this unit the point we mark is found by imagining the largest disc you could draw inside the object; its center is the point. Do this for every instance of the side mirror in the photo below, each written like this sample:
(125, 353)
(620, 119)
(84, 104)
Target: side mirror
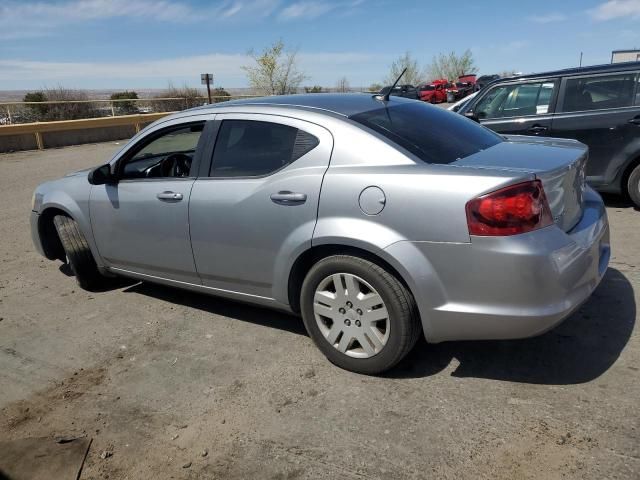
(101, 175)
(471, 115)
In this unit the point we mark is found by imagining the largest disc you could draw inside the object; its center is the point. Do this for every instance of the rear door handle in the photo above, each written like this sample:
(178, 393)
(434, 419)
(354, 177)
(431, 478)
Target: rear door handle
(168, 196)
(538, 129)
(635, 121)
(288, 198)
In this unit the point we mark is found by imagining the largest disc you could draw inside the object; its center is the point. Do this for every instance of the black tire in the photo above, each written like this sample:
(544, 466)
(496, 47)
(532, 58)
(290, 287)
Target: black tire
(403, 317)
(79, 255)
(633, 186)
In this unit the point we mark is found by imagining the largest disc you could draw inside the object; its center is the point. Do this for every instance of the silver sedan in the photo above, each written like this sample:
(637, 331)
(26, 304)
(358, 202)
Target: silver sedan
(376, 220)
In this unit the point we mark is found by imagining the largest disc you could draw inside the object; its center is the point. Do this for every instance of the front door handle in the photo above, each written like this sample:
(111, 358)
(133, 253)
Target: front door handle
(288, 198)
(538, 129)
(635, 120)
(168, 196)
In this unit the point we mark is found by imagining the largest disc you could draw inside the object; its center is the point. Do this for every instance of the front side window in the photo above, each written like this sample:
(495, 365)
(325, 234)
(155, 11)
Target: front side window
(432, 134)
(600, 92)
(516, 100)
(248, 148)
(168, 154)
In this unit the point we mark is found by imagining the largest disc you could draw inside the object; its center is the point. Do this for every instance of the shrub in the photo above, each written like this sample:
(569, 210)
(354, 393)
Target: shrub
(69, 111)
(35, 113)
(220, 92)
(125, 108)
(187, 98)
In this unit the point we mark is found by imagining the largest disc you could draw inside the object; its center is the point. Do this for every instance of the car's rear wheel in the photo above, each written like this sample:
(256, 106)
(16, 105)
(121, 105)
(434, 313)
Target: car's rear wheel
(78, 253)
(633, 186)
(358, 314)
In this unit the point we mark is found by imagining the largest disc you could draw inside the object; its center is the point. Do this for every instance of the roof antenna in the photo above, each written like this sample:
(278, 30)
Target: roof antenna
(385, 97)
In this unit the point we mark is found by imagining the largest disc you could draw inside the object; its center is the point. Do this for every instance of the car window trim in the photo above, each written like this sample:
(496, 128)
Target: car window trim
(553, 101)
(147, 139)
(563, 90)
(207, 165)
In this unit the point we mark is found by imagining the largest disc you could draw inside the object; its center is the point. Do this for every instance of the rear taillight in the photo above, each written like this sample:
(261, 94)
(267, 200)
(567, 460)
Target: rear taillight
(512, 210)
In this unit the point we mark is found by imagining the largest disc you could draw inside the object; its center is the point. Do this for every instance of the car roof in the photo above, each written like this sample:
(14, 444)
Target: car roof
(344, 104)
(608, 67)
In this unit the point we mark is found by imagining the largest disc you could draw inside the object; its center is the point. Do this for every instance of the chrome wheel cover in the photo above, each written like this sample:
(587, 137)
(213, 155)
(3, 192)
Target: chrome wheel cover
(351, 315)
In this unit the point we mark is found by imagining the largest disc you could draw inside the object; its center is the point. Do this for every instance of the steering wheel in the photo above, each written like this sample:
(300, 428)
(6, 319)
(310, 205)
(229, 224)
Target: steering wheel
(176, 165)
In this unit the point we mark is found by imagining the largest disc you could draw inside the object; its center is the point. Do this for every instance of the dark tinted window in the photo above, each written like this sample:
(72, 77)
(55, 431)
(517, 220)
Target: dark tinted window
(432, 134)
(595, 93)
(168, 154)
(247, 148)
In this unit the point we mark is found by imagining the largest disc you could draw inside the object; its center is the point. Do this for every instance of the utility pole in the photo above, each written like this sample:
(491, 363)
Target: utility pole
(580, 58)
(207, 79)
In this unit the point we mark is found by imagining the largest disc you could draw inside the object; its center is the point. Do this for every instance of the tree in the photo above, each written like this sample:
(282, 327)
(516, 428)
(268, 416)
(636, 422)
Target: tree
(451, 66)
(275, 71)
(220, 95)
(412, 76)
(342, 85)
(375, 87)
(125, 108)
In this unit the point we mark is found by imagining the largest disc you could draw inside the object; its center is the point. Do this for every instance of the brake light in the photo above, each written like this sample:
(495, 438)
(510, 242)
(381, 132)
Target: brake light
(512, 210)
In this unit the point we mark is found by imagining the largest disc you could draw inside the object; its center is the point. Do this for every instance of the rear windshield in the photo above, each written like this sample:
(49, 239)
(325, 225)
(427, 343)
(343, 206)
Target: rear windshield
(431, 133)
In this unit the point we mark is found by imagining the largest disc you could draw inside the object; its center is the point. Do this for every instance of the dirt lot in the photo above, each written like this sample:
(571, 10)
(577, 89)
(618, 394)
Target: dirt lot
(158, 377)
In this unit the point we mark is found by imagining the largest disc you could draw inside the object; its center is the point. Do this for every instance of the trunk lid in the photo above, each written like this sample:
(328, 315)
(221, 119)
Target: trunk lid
(558, 163)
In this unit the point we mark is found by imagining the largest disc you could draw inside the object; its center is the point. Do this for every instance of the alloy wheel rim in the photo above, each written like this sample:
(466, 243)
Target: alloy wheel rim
(351, 315)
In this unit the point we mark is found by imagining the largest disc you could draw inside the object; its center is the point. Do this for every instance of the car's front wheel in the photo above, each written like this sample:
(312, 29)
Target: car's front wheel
(358, 314)
(78, 253)
(633, 186)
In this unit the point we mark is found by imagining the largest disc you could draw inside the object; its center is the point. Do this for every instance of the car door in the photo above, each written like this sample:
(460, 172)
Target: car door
(599, 110)
(257, 209)
(517, 108)
(141, 222)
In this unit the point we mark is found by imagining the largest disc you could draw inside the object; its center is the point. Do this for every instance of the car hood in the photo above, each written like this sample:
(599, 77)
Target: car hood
(80, 173)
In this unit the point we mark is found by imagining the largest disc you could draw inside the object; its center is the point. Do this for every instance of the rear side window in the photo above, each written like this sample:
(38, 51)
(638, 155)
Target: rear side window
(432, 134)
(516, 100)
(596, 93)
(248, 148)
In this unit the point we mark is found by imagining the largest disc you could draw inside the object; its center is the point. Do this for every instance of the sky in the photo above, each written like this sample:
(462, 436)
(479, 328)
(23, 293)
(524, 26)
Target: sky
(118, 44)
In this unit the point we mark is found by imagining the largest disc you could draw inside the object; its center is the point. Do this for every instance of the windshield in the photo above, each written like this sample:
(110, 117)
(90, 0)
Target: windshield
(426, 88)
(432, 134)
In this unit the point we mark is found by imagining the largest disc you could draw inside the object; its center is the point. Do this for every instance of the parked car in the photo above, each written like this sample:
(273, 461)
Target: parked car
(459, 90)
(434, 92)
(599, 106)
(406, 91)
(485, 80)
(377, 221)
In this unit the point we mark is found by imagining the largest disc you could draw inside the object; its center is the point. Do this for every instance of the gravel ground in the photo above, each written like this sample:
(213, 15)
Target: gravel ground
(179, 385)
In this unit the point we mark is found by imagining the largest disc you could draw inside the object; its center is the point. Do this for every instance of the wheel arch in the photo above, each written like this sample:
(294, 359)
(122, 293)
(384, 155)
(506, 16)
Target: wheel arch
(311, 256)
(51, 244)
(624, 180)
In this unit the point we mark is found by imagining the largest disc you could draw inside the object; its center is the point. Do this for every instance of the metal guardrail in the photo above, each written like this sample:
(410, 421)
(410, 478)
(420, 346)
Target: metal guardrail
(11, 111)
(115, 118)
(38, 128)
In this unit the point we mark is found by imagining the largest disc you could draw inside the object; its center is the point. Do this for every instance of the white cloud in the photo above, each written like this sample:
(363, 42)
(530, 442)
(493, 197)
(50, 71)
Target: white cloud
(33, 19)
(548, 18)
(613, 9)
(322, 67)
(310, 9)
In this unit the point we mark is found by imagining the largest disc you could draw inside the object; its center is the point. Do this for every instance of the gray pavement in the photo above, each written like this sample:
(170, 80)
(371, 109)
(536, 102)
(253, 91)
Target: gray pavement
(179, 385)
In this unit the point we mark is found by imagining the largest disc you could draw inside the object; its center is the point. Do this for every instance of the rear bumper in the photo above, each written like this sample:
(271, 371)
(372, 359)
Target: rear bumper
(507, 287)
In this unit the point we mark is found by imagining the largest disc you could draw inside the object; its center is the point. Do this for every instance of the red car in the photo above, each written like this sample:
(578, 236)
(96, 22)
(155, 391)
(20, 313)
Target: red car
(435, 92)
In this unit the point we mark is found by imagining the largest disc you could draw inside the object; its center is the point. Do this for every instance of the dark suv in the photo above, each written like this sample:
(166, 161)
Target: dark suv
(599, 106)
(406, 91)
